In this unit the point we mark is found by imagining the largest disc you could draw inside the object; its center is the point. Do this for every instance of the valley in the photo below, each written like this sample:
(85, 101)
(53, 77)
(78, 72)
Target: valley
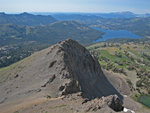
(135, 24)
(74, 62)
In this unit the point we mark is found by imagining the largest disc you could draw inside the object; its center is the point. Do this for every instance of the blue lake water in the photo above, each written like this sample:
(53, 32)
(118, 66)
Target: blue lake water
(113, 34)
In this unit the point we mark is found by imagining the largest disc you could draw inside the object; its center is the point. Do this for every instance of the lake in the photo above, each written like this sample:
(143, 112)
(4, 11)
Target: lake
(145, 100)
(113, 34)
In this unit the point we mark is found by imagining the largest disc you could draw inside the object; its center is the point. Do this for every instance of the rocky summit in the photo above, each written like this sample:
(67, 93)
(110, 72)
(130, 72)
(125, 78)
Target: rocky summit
(75, 69)
(62, 69)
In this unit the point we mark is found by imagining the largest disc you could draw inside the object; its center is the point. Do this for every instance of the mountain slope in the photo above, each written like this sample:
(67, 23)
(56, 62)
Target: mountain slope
(26, 19)
(114, 21)
(63, 69)
(66, 29)
(10, 33)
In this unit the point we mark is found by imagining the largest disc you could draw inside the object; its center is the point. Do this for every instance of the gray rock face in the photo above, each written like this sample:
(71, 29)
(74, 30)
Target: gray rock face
(78, 70)
(112, 101)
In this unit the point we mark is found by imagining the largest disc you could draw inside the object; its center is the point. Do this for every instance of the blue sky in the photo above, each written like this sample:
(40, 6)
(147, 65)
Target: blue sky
(136, 6)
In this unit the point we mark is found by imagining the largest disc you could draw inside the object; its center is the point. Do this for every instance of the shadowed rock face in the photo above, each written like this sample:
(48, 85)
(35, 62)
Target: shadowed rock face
(78, 70)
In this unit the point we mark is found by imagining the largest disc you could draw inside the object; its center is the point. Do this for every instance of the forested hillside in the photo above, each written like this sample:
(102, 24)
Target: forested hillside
(26, 19)
(10, 33)
(115, 21)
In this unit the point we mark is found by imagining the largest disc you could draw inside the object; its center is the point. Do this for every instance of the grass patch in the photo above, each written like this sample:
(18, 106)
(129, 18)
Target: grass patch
(60, 106)
(113, 59)
(135, 97)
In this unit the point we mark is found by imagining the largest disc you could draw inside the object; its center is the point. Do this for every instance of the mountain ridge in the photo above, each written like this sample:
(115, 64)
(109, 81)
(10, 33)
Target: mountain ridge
(51, 33)
(26, 19)
(67, 64)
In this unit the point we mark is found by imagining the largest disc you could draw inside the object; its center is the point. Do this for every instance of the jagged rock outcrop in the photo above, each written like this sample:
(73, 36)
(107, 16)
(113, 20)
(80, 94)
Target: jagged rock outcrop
(112, 101)
(76, 70)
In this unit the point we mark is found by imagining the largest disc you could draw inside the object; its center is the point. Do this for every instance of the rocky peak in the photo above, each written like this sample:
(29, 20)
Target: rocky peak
(78, 70)
(65, 68)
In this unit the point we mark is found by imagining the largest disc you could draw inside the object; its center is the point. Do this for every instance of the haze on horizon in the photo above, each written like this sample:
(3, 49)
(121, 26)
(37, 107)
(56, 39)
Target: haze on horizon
(92, 6)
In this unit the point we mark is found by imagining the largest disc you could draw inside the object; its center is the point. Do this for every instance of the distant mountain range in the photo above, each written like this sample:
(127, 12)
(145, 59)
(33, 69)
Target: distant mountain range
(126, 14)
(26, 19)
(43, 26)
(52, 33)
(138, 24)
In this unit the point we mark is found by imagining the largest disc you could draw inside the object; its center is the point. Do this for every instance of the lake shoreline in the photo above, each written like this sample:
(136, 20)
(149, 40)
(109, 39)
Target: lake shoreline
(115, 34)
